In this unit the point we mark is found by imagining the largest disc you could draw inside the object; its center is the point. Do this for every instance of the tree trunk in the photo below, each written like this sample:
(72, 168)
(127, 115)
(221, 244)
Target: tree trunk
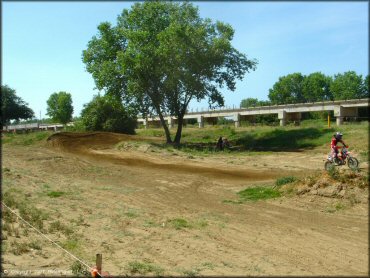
(180, 121)
(166, 130)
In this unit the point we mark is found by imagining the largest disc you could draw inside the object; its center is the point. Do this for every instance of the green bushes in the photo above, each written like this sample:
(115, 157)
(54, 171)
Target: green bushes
(108, 114)
(285, 180)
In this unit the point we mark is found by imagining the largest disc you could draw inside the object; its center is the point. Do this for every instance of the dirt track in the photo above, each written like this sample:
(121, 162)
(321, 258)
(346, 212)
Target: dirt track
(90, 145)
(128, 199)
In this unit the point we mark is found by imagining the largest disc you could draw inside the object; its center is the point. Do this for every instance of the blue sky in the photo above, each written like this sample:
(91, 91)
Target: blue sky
(42, 43)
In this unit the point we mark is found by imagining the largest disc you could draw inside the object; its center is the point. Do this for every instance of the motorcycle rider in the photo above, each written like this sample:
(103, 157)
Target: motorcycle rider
(337, 137)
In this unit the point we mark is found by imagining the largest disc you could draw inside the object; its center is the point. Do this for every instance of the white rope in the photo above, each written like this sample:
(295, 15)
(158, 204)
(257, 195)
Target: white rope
(73, 256)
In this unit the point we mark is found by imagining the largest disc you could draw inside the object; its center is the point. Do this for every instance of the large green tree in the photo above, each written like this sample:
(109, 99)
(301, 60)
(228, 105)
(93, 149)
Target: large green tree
(106, 113)
(316, 87)
(59, 107)
(288, 89)
(348, 85)
(162, 55)
(13, 107)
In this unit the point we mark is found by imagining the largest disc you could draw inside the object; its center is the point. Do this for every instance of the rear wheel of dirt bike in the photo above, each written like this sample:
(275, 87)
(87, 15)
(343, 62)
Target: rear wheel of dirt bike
(353, 163)
(329, 165)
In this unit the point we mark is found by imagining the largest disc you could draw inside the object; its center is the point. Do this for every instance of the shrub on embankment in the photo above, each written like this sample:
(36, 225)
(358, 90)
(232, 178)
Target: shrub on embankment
(105, 113)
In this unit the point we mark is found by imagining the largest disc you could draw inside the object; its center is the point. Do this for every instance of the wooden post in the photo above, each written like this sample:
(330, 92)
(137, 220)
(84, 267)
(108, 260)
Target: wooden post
(99, 262)
(328, 120)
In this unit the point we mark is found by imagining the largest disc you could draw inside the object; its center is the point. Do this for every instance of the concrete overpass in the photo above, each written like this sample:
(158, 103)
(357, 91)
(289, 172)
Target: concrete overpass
(286, 112)
(34, 127)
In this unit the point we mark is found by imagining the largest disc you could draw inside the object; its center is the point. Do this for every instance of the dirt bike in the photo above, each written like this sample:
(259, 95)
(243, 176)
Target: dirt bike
(343, 158)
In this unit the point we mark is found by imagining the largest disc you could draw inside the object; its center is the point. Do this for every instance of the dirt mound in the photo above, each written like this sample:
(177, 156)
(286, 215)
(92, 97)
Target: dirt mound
(344, 184)
(82, 140)
(99, 146)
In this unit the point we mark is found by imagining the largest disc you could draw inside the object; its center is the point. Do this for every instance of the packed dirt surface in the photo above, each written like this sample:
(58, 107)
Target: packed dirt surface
(153, 212)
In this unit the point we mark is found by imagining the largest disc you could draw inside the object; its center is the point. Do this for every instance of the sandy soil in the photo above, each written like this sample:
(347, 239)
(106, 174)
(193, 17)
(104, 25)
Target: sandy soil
(122, 203)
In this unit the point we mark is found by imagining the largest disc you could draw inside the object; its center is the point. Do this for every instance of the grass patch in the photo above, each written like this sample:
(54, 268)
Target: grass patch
(132, 213)
(18, 248)
(179, 223)
(285, 180)
(334, 173)
(310, 134)
(208, 265)
(258, 193)
(35, 245)
(338, 206)
(26, 139)
(57, 226)
(55, 194)
(353, 200)
(79, 270)
(71, 244)
(150, 224)
(27, 211)
(136, 267)
(200, 224)
(232, 202)
(191, 272)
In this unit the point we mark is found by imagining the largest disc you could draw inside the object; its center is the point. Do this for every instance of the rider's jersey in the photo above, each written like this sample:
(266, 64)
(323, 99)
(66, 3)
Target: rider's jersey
(335, 141)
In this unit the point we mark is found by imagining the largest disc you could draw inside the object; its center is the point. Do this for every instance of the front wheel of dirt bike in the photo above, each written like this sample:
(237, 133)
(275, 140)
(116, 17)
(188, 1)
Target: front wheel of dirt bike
(353, 163)
(329, 165)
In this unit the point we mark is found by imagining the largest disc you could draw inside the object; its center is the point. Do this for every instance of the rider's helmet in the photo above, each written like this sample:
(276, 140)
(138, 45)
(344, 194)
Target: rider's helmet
(338, 135)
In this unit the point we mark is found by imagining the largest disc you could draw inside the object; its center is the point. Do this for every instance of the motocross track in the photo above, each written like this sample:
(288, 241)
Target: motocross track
(128, 199)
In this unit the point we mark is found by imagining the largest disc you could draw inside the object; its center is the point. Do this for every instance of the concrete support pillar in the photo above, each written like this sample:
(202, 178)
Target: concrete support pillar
(200, 121)
(339, 120)
(340, 112)
(145, 123)
(236, 118)
(282, 117)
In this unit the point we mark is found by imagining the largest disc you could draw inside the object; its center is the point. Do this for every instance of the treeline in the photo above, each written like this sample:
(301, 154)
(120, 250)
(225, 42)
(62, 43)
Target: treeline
(299, 88)
(102, 113)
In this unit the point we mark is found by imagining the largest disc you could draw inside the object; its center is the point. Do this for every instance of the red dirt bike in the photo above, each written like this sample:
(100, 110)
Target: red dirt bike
(343, 158)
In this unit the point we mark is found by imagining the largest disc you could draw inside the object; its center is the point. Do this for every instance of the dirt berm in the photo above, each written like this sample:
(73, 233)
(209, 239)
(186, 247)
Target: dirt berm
(100, 146)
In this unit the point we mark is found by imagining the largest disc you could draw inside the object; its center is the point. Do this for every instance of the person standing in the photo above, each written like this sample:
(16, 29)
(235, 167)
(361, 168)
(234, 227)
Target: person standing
(219, 145)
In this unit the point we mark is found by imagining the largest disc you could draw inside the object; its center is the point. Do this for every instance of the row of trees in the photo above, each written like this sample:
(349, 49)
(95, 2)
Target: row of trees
(59, 107)
(299, 88)
(102, 113)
